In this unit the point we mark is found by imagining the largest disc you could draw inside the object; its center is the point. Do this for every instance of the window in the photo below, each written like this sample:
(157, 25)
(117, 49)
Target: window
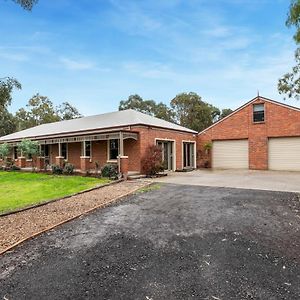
(64, 150)
(15, 152)
(86, 149)
(45, 150)
(258, 113)
(113, 149)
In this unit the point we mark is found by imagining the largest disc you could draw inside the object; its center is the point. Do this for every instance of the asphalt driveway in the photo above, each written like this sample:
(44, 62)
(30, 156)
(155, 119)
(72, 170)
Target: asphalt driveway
(246, 179)
(176, 242)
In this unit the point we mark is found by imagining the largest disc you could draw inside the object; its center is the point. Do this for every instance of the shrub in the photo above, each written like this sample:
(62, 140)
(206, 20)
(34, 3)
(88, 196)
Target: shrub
(68, 169)
(15, 168)
(4, 152)
(56, 169)
(152, 161)
(110, 170)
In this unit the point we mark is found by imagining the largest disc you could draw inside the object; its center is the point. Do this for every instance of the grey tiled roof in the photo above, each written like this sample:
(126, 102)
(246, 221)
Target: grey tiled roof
(103, 121)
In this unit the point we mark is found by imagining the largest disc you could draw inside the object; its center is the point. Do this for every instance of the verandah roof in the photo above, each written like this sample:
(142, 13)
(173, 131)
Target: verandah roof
(119, 119)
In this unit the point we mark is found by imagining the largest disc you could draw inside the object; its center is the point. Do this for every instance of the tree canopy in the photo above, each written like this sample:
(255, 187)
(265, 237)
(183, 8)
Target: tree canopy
(26, 4)
(7, 122)
(192, 112)
(149, 107)
(225, 112)
(7, 85)
(41, 110)
(186, 109)
(289, 83)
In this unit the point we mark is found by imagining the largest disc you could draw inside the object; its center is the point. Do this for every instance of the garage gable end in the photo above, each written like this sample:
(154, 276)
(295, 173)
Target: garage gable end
(242, 117)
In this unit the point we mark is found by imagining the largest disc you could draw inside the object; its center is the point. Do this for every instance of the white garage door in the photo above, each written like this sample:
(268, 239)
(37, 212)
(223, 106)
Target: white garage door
(230, 154)
(284, 154)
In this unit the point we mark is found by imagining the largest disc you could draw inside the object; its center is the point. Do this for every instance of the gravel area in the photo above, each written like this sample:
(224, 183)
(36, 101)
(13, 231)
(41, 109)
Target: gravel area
(21, 225)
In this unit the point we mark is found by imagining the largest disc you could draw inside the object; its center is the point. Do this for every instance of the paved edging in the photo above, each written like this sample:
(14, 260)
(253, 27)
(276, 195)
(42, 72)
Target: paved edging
(58, 199)
(72, 218)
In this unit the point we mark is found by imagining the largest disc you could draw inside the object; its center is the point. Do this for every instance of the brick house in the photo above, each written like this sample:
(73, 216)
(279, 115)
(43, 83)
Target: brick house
(262, 134)
(120, 137)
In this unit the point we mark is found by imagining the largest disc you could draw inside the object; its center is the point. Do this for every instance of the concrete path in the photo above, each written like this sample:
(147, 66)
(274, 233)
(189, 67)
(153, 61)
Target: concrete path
(245, 179)
(176, 242)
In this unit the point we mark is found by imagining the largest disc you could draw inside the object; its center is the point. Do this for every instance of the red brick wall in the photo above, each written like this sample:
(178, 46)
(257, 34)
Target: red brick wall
(135, 150)
(74, 153)
(280, 121)
(148, 136)
(131, 149)
(53, 153)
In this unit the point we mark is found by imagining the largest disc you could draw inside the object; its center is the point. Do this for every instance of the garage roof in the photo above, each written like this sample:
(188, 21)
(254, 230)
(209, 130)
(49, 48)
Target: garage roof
(103, 121)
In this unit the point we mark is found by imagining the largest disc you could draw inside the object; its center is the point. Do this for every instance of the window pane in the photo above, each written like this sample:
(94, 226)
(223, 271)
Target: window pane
(258, 113)
(113, 149)
(88, 148)
(258, 116)
(258, 107)
(64, 150)
(15, 152)
(46, 152)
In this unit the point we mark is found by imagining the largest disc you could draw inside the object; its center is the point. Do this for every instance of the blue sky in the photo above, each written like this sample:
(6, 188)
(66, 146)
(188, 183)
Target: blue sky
(96, 53)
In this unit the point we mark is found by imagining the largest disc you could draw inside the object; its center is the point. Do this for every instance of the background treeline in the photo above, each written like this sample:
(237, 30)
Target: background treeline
(39, 110)
(186, 109)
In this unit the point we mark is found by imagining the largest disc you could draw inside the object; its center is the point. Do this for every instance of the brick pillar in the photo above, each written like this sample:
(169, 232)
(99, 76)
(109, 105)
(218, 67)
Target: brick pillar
(40, 163)
(84, 163)
(1, 162)
(59, 160)
(123, 161)
(22, 162)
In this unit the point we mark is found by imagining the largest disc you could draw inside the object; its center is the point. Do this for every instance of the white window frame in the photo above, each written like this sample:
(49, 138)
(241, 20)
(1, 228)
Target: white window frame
(67, 151)
(182, 152)
(109, 160)
(83, 149)
(173, 149)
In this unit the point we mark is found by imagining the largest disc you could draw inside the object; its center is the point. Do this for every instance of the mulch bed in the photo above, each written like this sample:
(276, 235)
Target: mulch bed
(17, 227)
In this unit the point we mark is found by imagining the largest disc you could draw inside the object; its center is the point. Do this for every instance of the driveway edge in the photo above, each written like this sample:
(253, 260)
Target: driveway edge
(72, 218)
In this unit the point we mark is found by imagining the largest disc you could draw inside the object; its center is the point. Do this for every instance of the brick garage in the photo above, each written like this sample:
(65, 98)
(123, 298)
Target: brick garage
(272, 139)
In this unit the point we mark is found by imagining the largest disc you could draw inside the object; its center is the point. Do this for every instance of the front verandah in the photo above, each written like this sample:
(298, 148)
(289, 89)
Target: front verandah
(87, 153)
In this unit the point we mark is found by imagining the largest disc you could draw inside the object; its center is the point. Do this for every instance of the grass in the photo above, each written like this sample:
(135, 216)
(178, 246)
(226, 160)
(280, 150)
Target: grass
(19, 190)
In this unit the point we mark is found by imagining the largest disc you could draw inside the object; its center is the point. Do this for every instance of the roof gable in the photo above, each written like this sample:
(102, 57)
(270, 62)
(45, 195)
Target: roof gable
(263, 99)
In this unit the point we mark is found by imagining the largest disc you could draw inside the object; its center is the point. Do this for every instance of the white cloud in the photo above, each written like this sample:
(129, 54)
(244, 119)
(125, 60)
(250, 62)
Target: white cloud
(14, 56)
(75, 65)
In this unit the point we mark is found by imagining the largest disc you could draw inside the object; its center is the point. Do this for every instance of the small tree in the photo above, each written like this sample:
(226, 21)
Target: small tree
(30, 149)
(152, 161)
(4, 152)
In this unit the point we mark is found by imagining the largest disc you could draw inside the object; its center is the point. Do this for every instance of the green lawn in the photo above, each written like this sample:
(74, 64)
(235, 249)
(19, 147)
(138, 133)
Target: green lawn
(19, 190)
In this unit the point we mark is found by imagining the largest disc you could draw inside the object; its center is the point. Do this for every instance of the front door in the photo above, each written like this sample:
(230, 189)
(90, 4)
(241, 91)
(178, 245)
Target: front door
(167, 154)
(188, 155)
